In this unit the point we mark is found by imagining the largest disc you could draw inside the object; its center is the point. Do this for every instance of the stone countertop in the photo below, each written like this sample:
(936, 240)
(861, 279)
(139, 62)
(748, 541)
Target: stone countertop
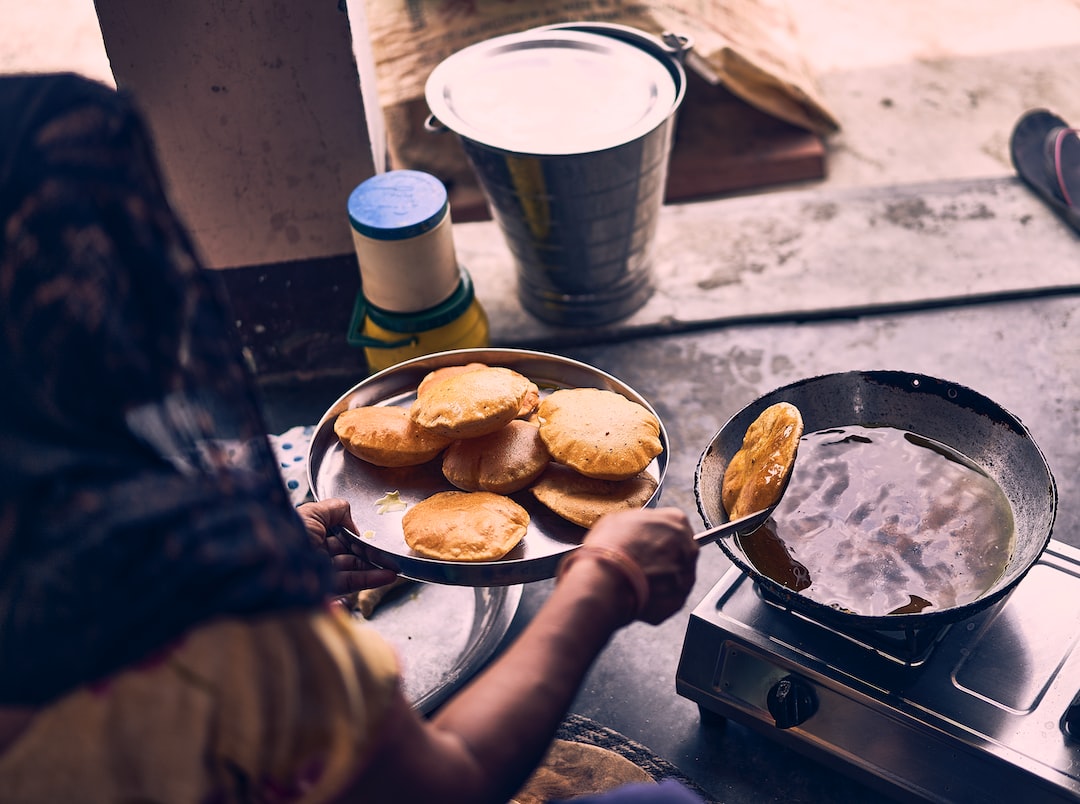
(1023, 354)
(979, 290)
(811, 254)
(800, 255)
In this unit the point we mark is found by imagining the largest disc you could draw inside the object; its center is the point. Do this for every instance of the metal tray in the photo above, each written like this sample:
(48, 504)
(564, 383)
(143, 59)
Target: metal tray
(439, 654)
(333, 472)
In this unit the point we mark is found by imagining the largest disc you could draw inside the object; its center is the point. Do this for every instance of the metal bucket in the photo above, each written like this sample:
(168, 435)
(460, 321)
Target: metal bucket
(569, 130)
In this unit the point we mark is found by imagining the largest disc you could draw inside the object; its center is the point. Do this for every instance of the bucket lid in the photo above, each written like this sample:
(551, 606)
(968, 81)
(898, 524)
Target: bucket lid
(555, 91)
(397, 205)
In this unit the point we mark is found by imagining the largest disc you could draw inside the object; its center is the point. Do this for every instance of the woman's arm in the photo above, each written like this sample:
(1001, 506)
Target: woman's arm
(483, 743)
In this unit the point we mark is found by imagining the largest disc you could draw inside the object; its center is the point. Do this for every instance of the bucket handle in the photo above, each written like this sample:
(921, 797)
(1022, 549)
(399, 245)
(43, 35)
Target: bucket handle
(678, 45)
(433, 126)
(672, 44)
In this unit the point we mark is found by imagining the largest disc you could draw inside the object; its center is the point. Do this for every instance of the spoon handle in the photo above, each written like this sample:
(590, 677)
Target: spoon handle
(744, 524)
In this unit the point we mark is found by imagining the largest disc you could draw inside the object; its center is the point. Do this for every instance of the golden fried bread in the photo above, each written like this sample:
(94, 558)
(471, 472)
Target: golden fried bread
(386, 436)
(528, 403)
(583, 500)
(599, 433)
(571, 769)
(470, 404)
(465, 526)
(439, 374)
(505, 461)
(757, 473)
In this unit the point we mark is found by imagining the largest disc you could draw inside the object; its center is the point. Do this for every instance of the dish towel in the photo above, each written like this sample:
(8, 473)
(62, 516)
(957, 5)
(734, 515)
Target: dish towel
(291, 450)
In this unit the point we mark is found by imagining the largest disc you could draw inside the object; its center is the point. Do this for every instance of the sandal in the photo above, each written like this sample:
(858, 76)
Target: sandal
(1046, 154)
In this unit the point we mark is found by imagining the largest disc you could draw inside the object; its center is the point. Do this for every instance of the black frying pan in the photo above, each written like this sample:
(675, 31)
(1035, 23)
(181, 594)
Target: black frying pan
(951, 414)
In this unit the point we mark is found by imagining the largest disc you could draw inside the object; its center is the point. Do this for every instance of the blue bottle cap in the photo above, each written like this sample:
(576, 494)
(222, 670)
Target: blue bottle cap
(397, 205)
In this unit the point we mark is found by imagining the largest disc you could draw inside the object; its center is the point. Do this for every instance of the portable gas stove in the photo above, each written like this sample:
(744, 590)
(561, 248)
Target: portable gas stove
(985, 709)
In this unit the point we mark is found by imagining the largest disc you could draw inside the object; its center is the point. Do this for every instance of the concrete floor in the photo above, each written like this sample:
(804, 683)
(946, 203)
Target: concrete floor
(928, 90)
(925, 90)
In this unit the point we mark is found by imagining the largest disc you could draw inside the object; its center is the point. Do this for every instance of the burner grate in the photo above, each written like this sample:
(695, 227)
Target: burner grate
(908, 647)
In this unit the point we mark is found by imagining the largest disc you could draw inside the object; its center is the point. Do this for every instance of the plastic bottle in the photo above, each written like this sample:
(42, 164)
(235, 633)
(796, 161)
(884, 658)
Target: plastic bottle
(415, 298)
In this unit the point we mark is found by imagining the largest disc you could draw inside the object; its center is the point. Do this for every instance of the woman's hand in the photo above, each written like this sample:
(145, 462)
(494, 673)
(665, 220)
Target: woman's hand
(321, 520)
(657, 545)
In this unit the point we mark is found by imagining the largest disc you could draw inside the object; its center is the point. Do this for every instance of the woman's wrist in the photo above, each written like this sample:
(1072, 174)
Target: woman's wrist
(617, 566)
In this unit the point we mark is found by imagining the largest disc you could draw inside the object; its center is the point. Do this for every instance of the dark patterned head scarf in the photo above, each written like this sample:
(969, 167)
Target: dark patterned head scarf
(138, 492)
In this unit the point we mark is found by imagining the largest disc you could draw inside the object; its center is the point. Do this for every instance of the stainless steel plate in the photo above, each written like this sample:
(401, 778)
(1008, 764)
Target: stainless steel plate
(439, 653)
(333, 472)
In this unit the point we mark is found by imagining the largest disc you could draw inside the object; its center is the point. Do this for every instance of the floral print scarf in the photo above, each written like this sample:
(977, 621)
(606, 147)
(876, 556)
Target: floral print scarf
(138, 492)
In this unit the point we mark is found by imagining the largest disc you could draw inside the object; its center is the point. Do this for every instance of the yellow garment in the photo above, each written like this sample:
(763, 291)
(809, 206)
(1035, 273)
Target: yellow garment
(285, 708)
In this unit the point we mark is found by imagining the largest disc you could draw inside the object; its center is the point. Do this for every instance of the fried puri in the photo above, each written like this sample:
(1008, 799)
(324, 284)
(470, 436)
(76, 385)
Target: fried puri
(528, 402)
(505, 461)
(472, 403)
(583, 500)
(386, 436)
(465, 526)
(445, 373)
(599, 433)
(755, 477)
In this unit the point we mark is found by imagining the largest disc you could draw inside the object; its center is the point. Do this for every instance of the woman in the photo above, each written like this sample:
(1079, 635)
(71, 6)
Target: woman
(164, 621)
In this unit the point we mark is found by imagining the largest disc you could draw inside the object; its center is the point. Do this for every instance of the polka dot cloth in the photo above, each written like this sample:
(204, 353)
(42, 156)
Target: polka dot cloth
(291, 450)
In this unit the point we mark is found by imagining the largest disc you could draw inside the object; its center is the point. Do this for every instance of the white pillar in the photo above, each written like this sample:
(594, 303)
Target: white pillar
(258, 117)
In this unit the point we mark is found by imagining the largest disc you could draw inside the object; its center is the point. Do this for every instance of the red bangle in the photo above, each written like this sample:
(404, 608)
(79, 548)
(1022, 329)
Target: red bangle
(629, 569)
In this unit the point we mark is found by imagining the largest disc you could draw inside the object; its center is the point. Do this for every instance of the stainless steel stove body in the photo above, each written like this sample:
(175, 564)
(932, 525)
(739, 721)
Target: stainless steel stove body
(977, 711)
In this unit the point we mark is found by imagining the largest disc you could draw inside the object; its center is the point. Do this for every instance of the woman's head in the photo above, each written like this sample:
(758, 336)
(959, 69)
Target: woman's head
(138, 494)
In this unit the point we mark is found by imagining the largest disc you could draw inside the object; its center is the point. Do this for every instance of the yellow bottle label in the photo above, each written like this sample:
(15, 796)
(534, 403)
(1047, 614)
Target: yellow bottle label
(469, 330)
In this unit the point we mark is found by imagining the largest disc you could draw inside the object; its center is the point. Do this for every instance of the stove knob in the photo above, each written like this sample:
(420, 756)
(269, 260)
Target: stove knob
(1070, 721)
(791, 701)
